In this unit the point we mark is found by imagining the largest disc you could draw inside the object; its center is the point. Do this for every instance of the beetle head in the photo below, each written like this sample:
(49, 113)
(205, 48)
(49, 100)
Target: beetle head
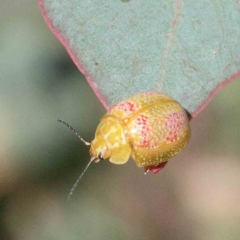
(99, 149)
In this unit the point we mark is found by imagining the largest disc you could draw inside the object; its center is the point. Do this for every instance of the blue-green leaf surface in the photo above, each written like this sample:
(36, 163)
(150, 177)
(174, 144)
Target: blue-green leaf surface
(186, 49)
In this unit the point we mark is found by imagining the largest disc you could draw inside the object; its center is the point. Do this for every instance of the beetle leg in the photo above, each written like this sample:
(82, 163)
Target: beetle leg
(155, 169)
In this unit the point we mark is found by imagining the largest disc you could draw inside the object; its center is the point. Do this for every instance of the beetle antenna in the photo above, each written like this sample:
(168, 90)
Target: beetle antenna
(73, 130)
(79, 178)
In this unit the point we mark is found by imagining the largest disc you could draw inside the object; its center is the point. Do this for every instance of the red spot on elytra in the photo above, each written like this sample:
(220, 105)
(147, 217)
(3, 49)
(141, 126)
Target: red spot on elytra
(144, 129)
(172, 137)
(127, 107)
(175, 123)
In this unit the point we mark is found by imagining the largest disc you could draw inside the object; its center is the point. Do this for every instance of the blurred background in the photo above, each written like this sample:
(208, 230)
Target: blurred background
(195, 197)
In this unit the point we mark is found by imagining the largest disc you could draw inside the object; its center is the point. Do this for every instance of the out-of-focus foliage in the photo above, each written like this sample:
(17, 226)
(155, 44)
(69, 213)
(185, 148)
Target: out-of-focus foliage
(195, 197)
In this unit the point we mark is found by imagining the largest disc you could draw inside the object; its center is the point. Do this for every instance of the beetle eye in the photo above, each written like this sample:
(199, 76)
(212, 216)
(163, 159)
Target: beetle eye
(100, 156)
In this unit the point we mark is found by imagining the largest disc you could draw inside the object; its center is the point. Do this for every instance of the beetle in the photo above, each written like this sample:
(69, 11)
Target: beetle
(150, 127)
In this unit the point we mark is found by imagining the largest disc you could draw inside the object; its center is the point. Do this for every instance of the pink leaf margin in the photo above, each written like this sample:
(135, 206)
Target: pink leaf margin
(102, 99)
(60, 37)
(214, 92)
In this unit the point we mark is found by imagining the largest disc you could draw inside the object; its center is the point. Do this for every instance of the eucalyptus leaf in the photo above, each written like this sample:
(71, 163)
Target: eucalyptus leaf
(186, 49)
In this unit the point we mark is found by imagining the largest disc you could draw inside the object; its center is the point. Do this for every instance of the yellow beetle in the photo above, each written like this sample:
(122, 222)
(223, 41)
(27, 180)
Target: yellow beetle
(150, 127)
